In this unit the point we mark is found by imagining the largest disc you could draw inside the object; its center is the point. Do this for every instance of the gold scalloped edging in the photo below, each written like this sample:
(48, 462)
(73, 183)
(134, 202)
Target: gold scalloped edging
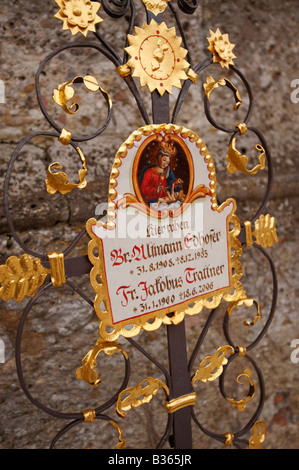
(107, 330)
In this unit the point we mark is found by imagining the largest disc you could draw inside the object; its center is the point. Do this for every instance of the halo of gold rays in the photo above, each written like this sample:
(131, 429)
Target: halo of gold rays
(157, 57)
(221, 48)
(79, 16)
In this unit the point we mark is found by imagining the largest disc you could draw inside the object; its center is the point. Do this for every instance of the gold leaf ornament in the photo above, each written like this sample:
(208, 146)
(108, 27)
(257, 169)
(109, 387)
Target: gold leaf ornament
(221, 48)
(139, 395)
(211, 367)
(242, 379)
(59, 181)
(211, 84)
(121, 441)
(21, 277)
(264, 231)
(65, 92)
(237, 161)
(155, 6)
(86, 372)
(78, 16)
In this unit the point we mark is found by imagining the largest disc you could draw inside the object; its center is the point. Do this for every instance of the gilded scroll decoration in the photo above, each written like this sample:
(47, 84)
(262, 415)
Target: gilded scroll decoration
(247, 303)
(237, 161)
(258, 435)
(66, 92)
(211, 84)
(139, 395)
(243, 378)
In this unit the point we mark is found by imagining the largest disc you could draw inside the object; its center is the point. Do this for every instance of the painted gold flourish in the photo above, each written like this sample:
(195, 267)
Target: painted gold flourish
(242, 379)
(86, 371)
(136, 396)
(21, 277)
(237, 161)
(211, 367)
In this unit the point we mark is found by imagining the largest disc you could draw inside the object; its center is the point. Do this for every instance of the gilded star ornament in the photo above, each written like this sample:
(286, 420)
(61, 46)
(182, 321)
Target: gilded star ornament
(221, 48)
(79, 16)
(157, 57)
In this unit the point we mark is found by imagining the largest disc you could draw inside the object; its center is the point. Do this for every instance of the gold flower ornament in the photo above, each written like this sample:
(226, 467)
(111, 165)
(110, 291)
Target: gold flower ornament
(221, 48)
(79, 16)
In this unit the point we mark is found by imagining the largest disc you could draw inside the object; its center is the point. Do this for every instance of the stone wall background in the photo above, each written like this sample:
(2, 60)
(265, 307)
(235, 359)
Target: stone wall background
(62, 327)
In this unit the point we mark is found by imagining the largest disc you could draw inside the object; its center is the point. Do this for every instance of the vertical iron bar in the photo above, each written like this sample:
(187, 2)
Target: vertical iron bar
(177, 352)
(180, 384)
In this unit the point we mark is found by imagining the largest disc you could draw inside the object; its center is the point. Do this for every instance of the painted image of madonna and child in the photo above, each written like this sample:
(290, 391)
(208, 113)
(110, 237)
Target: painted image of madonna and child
(163, 174)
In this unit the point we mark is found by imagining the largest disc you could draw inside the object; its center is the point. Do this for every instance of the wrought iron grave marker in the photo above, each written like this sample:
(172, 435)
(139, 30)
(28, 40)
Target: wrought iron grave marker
(167, 248)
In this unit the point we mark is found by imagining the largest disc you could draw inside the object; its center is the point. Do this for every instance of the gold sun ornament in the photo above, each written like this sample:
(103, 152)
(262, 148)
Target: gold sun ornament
(221, 48)
(79, 16)
(157, 57)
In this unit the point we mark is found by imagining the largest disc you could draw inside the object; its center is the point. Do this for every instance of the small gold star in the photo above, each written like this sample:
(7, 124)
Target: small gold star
(221, 48)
